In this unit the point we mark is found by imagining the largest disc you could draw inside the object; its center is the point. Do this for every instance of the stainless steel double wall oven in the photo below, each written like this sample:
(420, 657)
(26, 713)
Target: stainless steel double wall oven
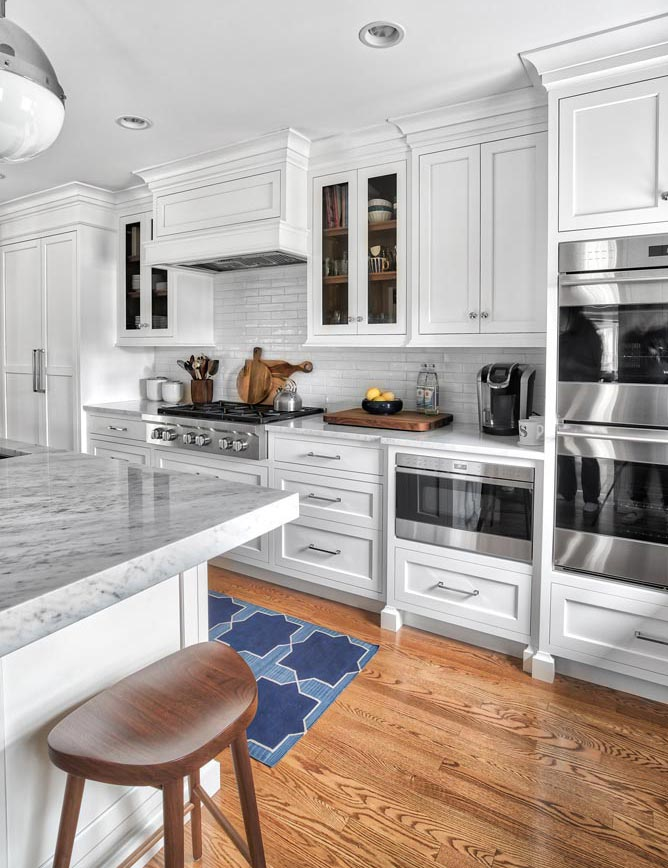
(612, 442)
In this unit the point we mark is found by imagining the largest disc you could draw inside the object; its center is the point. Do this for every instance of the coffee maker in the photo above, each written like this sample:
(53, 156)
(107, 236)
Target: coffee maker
(505, 395)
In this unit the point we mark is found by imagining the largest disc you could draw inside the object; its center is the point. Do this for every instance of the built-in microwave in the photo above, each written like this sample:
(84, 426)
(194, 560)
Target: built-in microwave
(474, 506)
(613, 331)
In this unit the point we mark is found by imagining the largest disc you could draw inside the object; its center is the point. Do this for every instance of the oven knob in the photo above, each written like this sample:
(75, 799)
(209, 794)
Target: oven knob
(156, 433)
(239, 445)
(202, 440)
(168, 434)
(225, 443)
(188, 438)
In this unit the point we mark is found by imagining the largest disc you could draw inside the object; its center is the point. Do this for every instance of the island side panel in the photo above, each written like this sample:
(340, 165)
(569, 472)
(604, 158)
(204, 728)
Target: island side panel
(44, 680)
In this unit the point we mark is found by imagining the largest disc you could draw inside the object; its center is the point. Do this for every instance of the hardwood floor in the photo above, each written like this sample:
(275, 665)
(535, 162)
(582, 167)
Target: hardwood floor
(447, 755)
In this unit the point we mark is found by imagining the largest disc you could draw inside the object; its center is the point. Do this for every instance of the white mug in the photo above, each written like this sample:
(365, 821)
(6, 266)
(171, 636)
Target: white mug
(172, 391)
(532, 431)
(154, 388)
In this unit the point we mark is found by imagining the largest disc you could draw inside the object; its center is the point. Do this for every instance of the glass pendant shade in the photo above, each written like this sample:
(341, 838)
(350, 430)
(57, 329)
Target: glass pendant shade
(32, 103)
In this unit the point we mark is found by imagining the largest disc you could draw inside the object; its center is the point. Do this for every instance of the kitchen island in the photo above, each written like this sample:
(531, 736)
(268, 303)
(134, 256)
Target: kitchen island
(102, 571)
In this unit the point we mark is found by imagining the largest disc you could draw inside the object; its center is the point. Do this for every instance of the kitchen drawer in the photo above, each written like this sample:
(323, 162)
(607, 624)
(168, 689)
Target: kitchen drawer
(346, 555)
(122, 427)
(129, 452)
(333, 498)
(607, 627)
(446, 588)
(330, 455)
(256, 549)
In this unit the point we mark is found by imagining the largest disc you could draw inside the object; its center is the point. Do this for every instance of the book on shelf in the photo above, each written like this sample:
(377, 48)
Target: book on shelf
(335, 207)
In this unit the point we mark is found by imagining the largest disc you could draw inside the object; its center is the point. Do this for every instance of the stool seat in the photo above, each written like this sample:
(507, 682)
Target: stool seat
(159, 724)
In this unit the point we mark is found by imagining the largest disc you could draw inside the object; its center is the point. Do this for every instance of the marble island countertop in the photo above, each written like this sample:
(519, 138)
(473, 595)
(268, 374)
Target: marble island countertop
(79, 533)
(16, 448)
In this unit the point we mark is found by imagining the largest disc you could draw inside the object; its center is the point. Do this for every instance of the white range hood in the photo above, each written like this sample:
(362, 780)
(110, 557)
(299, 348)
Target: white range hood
(242, 206)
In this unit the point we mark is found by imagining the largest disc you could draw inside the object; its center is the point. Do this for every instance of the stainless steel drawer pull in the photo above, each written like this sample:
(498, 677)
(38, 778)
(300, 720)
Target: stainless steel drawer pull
(324, 551)
(115, 428)
(642, 636)
(474, 593)
(326, 499)
(330, 457)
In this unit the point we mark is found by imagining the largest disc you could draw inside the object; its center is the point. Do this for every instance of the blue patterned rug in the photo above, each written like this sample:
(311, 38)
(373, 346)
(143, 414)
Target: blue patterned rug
(300, 669)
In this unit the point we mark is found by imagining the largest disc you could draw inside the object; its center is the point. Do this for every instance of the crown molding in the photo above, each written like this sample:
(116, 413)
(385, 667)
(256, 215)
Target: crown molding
(277, 147)
(522, 100)
(642, 44)
(381, 143)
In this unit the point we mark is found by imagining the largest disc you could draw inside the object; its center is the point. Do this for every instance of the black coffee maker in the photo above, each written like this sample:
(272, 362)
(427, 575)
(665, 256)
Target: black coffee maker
(505, 395)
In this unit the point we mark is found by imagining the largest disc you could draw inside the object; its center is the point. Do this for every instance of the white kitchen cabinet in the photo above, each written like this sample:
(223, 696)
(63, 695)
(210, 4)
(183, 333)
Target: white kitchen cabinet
(481, 246)
(613, 156)
(120, 450)
(38, 327)
(358, 264)
(159, 306)
(246, 472)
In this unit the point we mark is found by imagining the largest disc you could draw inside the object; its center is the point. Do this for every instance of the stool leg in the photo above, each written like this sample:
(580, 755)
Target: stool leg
(196, 819)
(69, 817)
(172, 809)
(244, 775)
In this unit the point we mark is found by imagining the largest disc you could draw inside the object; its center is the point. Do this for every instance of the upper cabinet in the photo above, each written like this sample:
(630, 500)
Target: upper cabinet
(480, 244)
(159, 306)
(358, 266)
(613, 156)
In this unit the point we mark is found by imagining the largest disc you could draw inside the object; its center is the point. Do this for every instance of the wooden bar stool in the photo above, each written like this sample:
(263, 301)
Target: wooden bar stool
(155, 728)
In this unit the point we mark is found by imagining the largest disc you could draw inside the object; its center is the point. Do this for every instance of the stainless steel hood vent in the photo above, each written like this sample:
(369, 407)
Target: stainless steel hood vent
(270, 259)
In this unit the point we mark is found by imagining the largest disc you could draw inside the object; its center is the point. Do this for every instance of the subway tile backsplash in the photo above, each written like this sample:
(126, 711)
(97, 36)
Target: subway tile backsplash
(267, 308)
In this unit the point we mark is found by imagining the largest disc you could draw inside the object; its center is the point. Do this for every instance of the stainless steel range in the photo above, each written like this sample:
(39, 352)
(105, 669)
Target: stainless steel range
(221, 428)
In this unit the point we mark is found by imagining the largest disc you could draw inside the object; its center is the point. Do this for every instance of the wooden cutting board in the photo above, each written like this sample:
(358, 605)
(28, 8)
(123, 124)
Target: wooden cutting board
(406, 420)
(254, 379)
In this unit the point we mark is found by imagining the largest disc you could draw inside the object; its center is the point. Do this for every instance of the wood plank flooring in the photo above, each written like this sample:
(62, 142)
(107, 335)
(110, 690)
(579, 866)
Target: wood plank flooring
(440, 754)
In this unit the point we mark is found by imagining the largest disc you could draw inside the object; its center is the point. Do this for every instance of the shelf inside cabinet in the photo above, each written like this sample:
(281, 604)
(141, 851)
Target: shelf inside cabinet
(382, 227)
(335, 230)
(335, 278)
(382, 275)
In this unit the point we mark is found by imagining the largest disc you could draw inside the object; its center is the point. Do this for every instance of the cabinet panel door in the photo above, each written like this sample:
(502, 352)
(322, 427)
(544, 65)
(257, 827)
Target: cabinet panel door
(449, 248)
(513, 214)
(22, 295)
(23, 409)
(613, 156)
(335, 254)
(120, 451)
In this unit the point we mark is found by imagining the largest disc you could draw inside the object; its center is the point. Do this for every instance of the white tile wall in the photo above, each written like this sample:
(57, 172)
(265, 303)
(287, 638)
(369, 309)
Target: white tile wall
(267, 308)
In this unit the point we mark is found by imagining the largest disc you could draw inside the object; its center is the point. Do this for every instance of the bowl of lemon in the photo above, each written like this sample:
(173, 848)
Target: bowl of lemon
(381, 403)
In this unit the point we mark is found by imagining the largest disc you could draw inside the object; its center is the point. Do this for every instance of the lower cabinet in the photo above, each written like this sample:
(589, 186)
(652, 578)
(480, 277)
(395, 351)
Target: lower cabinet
(485, 596)
(120, 450)
(256, 550)
(610, 630)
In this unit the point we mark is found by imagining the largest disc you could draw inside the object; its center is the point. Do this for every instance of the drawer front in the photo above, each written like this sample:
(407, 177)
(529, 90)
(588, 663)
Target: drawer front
(120, 451)
(614, 629)
(238, 200)
(489, 596)
(256, 549)
(123, 427)
(334, 499)
(331, 551)
(329, 455)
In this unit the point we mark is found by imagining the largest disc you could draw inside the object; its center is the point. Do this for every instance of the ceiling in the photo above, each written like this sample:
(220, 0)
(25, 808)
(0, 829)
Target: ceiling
(209, 72)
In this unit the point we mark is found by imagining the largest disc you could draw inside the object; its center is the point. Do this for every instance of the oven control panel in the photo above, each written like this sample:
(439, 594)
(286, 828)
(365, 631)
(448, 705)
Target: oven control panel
(208, 440)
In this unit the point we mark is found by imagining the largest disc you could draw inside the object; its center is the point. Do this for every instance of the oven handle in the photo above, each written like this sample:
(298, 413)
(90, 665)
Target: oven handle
(646, 638)
(604, 445)
(633, 275)
(465, 477)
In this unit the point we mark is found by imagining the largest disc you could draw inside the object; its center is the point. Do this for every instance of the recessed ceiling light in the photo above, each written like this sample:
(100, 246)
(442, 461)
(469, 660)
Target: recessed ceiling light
(133, 122)
(381, 34)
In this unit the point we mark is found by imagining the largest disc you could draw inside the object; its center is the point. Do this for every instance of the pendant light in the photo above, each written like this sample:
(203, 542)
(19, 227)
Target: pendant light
(32, 102)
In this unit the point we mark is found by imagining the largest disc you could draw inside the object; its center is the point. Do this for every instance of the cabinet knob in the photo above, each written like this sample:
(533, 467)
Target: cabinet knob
(664, 195)
(351, 319)
(484, 314)
(360, 319)
(473, 315)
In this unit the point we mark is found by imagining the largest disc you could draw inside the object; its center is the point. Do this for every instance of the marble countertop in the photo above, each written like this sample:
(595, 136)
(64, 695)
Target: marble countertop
(127, 408)
(15, 448)
(453, 438)
(79, 533)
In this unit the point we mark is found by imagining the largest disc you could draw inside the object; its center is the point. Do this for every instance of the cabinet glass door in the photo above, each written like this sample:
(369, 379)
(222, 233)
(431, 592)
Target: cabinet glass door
(382, 249)
(159, 299)
(132, 275)
(336, 306)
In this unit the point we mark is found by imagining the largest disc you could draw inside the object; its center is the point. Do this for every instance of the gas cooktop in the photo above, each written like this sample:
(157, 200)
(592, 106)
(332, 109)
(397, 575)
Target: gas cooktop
(234, 411)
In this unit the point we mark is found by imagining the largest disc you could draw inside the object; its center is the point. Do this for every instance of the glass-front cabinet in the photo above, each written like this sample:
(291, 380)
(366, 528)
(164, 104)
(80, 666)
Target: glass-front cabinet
(146, 305)
(359, 253)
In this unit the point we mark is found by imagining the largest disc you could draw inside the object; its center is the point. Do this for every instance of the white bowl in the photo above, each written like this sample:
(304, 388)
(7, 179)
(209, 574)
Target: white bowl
(385, 203)
(173, 391)
(381, 215)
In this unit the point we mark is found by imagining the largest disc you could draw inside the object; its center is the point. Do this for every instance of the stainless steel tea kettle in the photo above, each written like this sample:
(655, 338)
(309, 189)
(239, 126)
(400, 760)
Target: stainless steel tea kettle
(287, 400)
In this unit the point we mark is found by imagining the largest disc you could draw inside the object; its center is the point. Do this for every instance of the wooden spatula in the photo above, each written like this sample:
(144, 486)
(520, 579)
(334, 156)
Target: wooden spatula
(254, 379)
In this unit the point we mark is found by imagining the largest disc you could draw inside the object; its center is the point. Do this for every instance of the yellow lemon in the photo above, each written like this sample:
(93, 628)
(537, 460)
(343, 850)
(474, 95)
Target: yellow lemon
(372, 393)
(379, 398)
(388, 396)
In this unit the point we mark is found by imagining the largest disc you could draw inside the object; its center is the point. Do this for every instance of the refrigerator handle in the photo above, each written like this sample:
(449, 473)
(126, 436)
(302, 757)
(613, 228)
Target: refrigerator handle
(42, 371)
(35, 386)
